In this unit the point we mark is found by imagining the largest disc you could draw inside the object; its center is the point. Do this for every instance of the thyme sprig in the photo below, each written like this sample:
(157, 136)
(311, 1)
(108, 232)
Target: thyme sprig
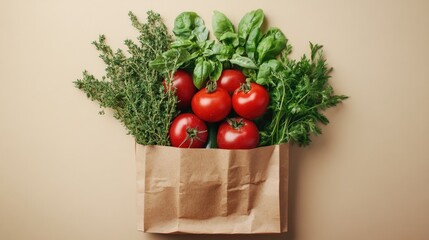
(132, 89)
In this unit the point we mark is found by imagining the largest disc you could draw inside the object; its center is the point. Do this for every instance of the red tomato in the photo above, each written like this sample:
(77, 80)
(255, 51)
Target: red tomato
(188, 131)
(250, 101)
(185, 89)
(237, 133)
(230, 80)
(211, 106)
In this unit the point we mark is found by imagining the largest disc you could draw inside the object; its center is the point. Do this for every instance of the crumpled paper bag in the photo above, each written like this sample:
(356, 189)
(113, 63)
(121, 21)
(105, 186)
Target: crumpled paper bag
(212, 191)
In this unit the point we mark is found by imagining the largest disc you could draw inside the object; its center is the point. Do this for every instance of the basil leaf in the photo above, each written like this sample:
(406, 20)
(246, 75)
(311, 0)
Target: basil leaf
(273, 42)
(264, 73)
(193, 56)
(201, 32)
(230, 38)
(208, 44)
(250, 21)
(239, 50)
(170, 60)
(252, 42)
(201, 73)
(223, 52)
(221, 25)
(216, 68)
(206, 48)
(217, 47)
(188, 25)
(159, 64)
(266, 70)
(207, 53)
(184, 24)
(250, 73)
(244, 62)
(181, 43)
(177, 54)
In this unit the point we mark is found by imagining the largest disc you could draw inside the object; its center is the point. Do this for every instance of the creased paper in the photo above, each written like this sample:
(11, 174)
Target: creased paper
(212, 191)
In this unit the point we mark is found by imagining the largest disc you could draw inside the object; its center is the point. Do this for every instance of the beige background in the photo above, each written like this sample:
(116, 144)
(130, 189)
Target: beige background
(68, 173)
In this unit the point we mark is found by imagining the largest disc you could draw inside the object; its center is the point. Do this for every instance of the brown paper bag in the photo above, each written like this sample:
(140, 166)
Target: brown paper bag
(212, 191)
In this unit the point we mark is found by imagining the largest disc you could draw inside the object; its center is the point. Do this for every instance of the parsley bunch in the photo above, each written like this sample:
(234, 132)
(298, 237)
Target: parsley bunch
(132, 89)
(299, 93)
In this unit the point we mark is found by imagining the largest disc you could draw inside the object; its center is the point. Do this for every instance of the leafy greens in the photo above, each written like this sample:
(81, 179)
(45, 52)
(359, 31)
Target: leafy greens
(299, 93)
(132, 89)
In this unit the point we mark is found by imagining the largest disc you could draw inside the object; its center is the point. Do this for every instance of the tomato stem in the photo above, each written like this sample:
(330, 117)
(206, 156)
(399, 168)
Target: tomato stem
(211, 86)
(236, 123)
(245, 87)
(191, 135)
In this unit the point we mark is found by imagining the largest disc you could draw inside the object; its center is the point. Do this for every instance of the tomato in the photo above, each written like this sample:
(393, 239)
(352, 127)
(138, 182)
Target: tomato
(184, 87)
(211, 104)
(188, 131)
(250, 101)
(237, 133)
(230, 80)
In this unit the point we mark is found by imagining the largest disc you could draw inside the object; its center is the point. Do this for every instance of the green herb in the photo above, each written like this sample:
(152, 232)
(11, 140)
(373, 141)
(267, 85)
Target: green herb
(201, 72)
(299, 92)
(251, 21)
(249, 47)
(191, 50)
(216, 69)
(132, 89)
(206, 59)
(273, 42)
(222, 27)
(244, 62)
(267, 70)
(188, 25)
(170, 60)
(254, 38)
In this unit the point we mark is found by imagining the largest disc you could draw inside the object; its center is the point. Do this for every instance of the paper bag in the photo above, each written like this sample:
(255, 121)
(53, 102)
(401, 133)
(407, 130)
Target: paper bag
(212, 191)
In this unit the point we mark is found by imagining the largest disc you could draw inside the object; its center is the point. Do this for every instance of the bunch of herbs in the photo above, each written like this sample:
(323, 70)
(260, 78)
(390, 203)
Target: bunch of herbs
(132, 89)
(245, 49)
(299, 92)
